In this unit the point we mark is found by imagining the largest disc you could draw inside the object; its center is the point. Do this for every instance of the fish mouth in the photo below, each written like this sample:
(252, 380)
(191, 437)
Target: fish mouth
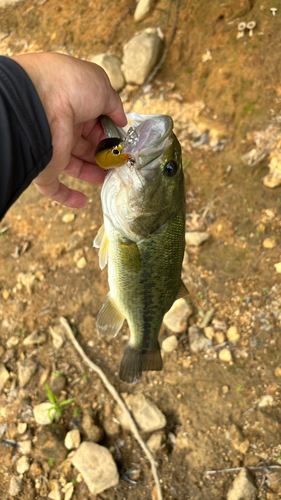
(145, 138)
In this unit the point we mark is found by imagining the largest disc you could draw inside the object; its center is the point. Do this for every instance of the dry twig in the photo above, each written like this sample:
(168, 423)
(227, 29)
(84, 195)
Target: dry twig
(238, 469)
(118, 400)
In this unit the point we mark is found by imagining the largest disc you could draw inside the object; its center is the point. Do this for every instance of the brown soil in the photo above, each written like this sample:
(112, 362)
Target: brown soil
(231, 272)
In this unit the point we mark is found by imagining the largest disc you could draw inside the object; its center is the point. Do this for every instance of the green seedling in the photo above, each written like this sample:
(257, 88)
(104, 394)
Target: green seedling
(51, 462)
(84, 377)
(58, 405)
(277, 457)
(239, 388)
(73, 482)
(77, 411)
(201, 295)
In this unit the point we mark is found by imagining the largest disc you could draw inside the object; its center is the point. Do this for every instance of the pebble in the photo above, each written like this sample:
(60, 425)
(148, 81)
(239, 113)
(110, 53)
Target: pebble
(57, 383)
(97, 466)
(233, 334)
(155, 441)
(72, 439)
(5, 294)
(147, 415)
(4, 375)
(209, 332)
(35, 338)
(58, 339)
(278, 267)
(219, 337)
(22, 426)
(142, 9)
(170, 344)
(26, 370)
(112, 66)
(15, 486)
(41, 413)
(93, 432)
(74, 240)
(81, 263)
(238, 441)
(243, 487)
(12, 342)
(50, 442)
(195, 238)
(69, 217)
(68, 491)
(225, 389)
(176, 318)
(26, 446)
(22, 465)
(111, 428)
(55, 493)
(39, 276)
(269, 243)
(277, 371)
(225, 355)
(265, 401)
(26, 279)
(197, 340)
(148, 46)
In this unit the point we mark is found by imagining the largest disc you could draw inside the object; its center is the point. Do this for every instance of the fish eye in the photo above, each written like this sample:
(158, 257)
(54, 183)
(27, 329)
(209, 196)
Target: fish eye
(171, 168)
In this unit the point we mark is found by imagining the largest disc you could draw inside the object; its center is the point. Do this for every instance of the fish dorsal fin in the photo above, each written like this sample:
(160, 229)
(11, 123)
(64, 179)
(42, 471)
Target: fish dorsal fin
(183, 292)
(130, 255)
(101, 242)
(110, 319)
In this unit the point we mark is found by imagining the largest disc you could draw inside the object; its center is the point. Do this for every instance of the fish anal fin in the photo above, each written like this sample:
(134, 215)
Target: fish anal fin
(130, 255)
(135, 362)
(183, 292)
(110, 319)
(101, 242)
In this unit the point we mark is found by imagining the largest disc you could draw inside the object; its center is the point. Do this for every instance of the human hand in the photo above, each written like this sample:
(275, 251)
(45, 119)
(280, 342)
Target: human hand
(74, 94)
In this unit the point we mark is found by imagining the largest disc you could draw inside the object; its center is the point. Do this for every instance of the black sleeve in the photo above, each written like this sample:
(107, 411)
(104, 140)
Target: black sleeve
(25, 137)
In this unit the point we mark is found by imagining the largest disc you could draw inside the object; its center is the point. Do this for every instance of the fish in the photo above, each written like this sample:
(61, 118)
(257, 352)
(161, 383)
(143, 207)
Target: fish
(142, 239)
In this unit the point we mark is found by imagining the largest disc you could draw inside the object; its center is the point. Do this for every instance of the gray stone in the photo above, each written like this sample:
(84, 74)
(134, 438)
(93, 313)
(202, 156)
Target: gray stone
(195, 238)
(50, 442)
(197, 340)
(96, 466)
(147, 415)
(176, 318)
(58, 336)
(238, 441)
(74, 240)
(72, 439)
(35, 338)
(170, 344)
(92, 432)
(57, 384)
(243, 487)
(4, 375)
(111, 428)
(112, 66)
(41, 413)
(15, 486)
(26, 369)
(142, 9)
(265, 401)
(155, 441)
(22, 465)
(141, 55)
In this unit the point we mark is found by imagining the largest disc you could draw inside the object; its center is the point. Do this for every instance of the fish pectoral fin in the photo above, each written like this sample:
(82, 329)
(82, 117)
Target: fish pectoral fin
(183, 292)
(135, 362)
(130, 255)
(110, 319)
(101, 241)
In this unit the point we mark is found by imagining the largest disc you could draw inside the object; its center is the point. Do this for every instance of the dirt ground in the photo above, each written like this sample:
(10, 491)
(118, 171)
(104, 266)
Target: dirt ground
(201, 396)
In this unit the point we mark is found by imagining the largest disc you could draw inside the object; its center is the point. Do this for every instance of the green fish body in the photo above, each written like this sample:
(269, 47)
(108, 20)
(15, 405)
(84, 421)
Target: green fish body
(142, 240)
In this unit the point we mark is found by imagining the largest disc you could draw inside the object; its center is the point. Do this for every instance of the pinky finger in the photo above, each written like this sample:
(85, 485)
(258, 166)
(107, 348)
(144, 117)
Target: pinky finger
(63, 195)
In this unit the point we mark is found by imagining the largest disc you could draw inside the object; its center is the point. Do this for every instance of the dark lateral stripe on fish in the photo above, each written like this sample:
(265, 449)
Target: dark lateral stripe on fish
(135, 362)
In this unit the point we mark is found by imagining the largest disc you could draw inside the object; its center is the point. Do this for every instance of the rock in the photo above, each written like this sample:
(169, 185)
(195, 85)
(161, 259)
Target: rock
(58, 337)
(265, 401)
(155, 441)
(68, 491)
(35, 471)
(251, 460)
(225, 355)
(15, 486)
(209, 332)
(233, 334)
(140, 56)
(57, 384)
(273, 179)
(12, 342)
(93, 432)
(238, 441)
(4, 375)
(35, 338)
(69, 217)
(55, 493)
(111, 428)
(72, 439)
(142, 9)
(25, 446)
(219, 337)
(195, 238)
(273, 482)
(170, 344)
(22, 426)
(147, 415)
(74, 240)
(5, 294)
(278, 267)
(176, 318)
(81, 263)
(112, 66)
(22, 465)
(225, 389)
(26, 369)
(97, 467)
(277, 371)
(39, 276)
(197, 340)
(243, 487)
(41, 413)
(27, 280)
(269, 243)
(50, 442)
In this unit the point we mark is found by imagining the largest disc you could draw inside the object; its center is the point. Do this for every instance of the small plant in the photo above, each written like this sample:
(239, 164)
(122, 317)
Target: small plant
(201, 295)
(77, 411)
(277, 457)
(58, 373)
(73, 482)
(58, 405)
(239, 388)
(84, 377)
(51, 462)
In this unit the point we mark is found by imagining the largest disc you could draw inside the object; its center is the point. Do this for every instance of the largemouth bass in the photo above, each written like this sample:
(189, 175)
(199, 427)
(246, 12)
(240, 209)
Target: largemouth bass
(142, 238)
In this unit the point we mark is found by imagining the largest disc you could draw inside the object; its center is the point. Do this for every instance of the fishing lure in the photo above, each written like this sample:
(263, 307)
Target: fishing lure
(109, 153)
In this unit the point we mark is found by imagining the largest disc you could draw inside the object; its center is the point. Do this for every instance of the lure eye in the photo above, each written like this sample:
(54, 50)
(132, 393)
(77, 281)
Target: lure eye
(171, 169)
(116, 151)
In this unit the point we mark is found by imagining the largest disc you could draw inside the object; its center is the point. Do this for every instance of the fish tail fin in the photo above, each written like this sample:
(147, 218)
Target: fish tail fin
(135, 362)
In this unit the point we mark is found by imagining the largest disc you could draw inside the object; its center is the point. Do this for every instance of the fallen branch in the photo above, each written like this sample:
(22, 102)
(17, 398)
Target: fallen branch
(238, 469)
(118, 400)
